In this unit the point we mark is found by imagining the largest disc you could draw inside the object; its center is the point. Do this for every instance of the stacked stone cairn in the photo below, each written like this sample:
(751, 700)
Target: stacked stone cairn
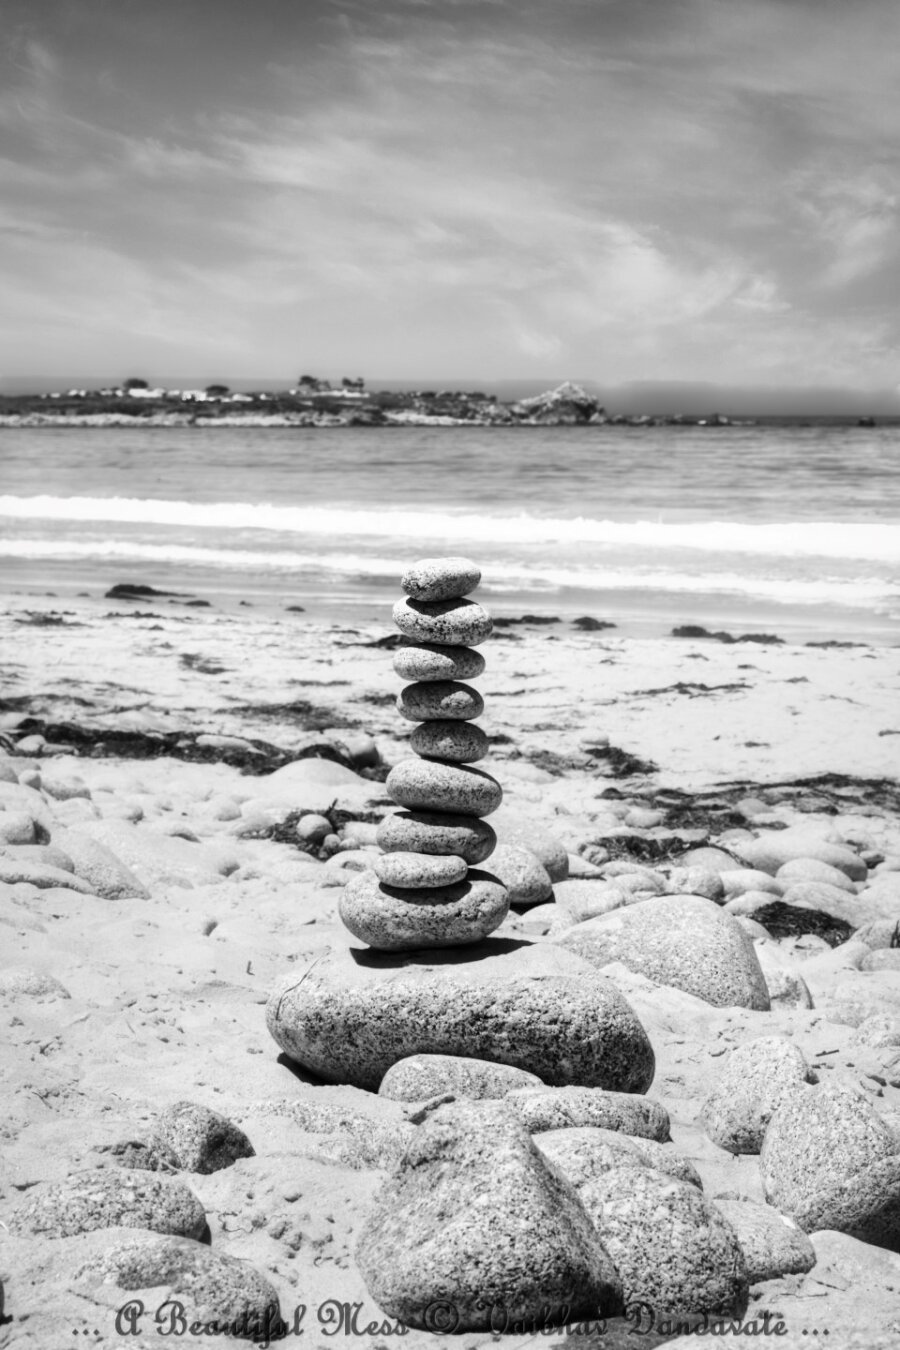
(426, 889)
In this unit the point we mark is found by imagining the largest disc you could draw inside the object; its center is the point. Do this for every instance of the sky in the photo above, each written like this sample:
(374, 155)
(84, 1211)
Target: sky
(614, 190)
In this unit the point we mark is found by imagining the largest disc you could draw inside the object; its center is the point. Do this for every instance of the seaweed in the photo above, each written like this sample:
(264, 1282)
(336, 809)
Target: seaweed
(783, 920)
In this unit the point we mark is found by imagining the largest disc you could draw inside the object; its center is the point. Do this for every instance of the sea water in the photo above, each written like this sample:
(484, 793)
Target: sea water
(791, 529)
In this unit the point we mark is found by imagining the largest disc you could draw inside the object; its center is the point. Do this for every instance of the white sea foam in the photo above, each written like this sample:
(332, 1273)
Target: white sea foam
(877, 542)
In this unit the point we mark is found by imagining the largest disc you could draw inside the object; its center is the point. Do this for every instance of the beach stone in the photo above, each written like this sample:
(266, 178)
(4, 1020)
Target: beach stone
(428, 661)
(16, 827)
(832, 900)
(884, 958)
(422, 1076)
(583, 1151)
(428, 785)
(313, 828)
(440, 578)
(579, 899)
(394, 920)
(559, 1108)
(524, 831)
(787, 988)
(437, 832)
(8, 772)
(880, 933)
(701, 881)
(772, 1243)
(755, 1079)
(349, 1016)
(201, 1140)
(15, 980)
(414, 871)
(877, 1032)
(64, 789)
(460, 742)
(673, 1249)
(42, 875)
(829, 1160)
(38, 853)
(475, 1220)
(444, 700)
(716, 859)
(105, 874)
(681, 940)
(111, 1198)
(812, 869)
(773, 848)
(738, 881)
(522, 873)
(446, 623)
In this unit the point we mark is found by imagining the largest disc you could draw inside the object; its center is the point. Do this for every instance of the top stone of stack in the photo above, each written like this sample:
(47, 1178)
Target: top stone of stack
(434, 610)
(433, 579)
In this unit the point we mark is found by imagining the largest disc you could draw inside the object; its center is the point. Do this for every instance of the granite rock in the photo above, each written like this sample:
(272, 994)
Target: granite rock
(446, 623)
(460, 742)
(755, 1079)
(772, 1244)
(107, 1199)
(97, 865)
(582, 1151)
(438, 832)
(394, 920)
(415, 871)
(517, 827)
(440, 578)
(428, 661)
(558, 1108)
(439, 700)
(428, 785)
(423, 1076)
(813, 869)
(773, 848)
(201, 1140)
(522, 873)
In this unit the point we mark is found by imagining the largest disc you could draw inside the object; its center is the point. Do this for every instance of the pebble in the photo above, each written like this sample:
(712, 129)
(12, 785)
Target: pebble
(428, 785)
(523, 874)
(41, 875)
(461, 742)
(428, 661)
(683, 941)
(885, 958)
(437, 832)
(201, 1140)
(394, 920)
(773, 848)
(739, 880)
(754, 1080)
(811, 869)
(16, 827)
(109, 1199)
(568, 1107)
(440, 578)
(517, 827)
(475, 1220)
(787, 988)
(422, 1076)
(414, 871)
(349, 1020)
(313, 828)
(701, 881)
(104, 872)
(33, 983)
(439, 699)
(585, 1150)
(446, 623)
(772, 1244)
(64, 789)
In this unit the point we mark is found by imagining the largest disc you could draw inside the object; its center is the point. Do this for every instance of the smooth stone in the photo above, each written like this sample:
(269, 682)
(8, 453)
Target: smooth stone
(440, 578)
(348, 1016)
(559, 1108)
(422, 1076)
(524, 831)
(110, 1198)
(787, 988)
(523, 874)
(414, 871)
(672, 1248)
(755, 1079)
(99, 866)
(701, 881)
(682, 941)
(773, 848)
(22, 980)
(394, 920)
(476, 1221)
(459, 742)
(439, 699)
(428, 661)
(885, 958)
(812, 869)
(42, 875)
(447, 623)
(313, 828)
(772, 1243)
(201, 1140)
(583, 1151)
(427, 785)
(739, 880)
(16, 827)
(880, 933)
(437, 832)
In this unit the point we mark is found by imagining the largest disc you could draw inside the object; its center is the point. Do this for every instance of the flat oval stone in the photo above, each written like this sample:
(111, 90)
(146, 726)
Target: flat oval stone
(393, 920)
(440, 578)
(348, 1016)
(423, 1076)
(412, 871)
(436, 832)
(427, 661)
(447, 623)
(460, 742)
(444, 699)
(426, 784)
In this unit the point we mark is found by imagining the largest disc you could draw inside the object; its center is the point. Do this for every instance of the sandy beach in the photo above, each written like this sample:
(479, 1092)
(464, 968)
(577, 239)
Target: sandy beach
(153, 727)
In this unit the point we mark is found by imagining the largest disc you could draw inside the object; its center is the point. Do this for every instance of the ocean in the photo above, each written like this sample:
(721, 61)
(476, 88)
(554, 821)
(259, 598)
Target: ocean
(793, 530)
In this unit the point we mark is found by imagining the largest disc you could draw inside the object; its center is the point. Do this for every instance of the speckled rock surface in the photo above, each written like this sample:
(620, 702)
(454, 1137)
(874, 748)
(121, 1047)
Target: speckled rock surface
(107, 1199)
(439, 699)
(427, 785)
(446, 623)
(772, 1243)
(437, 832)
(106, 874)
(582, 1152)
(696, 881)
(461, 742)
(772, 849)
(753, 1082)
(683, 941)
(18, 981)
(830, 1161)
(558, 1108)
(423, 1076)
(414, 871)
(883, 958)
(428, 661)
(812, 869)
(516, 827)
(672, 1248)
(475, 1220)
(522, 873)
(201, 1140)
(350, 1015)
(394, 920)
(440, 578)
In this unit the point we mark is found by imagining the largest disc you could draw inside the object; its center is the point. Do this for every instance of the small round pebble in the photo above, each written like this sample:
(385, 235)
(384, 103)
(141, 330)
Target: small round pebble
(460, 742)
(440, 578)
(201, 1140)
(522, 873)
(437, 832)
(426, 784)
(427, 661)
(412, 871)
(448, 623)
(444, 699)
(392, 920)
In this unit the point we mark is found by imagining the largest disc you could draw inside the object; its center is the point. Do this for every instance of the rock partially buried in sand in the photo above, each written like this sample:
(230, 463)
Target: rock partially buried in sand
(440, 578)
(447, 623)
(109, 1199)
(564, 1107)
(772, 1244)
(460, 742)
(447, 700)
(201, 1140)
(582, 1152)
(523, 831)
(428, 785)
(349, 1016)
(437, 832)
(423, 1076)
(413, 871)
(428, 661)
(755, 1079)
(523, 874)
(391, 919)
(475, 1224)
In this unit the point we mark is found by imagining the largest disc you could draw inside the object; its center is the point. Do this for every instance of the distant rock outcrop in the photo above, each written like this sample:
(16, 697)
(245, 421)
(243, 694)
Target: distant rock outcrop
(568, 404)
